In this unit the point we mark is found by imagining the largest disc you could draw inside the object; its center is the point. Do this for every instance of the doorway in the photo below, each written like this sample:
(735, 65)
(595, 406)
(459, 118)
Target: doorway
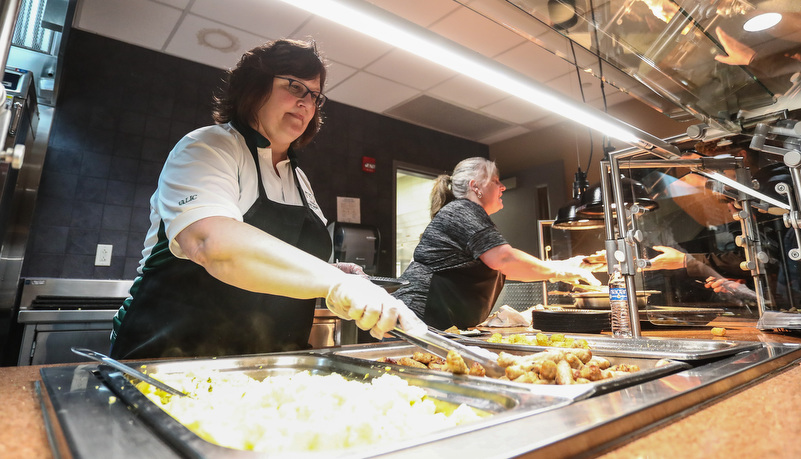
(412, 208)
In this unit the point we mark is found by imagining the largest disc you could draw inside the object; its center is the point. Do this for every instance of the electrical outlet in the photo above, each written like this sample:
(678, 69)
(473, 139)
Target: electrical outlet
(103, 256)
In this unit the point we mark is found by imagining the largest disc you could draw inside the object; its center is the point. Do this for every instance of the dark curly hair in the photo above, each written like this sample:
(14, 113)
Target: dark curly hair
(248, 85)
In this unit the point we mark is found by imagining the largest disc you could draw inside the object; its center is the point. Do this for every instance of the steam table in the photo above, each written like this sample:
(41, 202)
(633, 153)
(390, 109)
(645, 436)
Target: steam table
(758, 420)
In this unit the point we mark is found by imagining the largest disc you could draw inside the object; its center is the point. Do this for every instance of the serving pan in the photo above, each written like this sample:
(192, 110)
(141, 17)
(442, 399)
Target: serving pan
(503, 403)
(600, 300)
(648, 370)
(660, 348)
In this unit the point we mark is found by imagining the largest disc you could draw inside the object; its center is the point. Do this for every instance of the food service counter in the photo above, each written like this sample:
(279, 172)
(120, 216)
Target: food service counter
(752, 418)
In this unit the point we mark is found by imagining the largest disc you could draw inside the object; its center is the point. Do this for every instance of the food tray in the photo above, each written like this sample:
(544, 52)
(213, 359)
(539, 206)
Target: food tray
(659, 348)
(576, 320)
(648, 370)
(682, 316)
(503, 403)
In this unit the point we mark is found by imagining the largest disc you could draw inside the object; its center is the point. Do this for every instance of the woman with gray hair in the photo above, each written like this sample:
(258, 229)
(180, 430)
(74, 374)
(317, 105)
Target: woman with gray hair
(462, 260)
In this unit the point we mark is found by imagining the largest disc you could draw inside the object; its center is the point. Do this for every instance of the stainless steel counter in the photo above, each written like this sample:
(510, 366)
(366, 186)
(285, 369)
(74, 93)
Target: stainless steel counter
(80, 409)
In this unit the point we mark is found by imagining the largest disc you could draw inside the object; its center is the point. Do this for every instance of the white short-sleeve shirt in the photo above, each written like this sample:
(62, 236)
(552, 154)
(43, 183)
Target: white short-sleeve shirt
(210, 172)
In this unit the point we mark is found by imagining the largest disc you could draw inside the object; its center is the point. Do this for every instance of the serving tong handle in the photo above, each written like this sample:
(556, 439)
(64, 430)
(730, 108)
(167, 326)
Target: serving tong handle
(431, 340)
(98, 357)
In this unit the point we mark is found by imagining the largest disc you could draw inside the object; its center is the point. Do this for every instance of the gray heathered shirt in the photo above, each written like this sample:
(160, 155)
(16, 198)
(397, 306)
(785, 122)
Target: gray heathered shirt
(457, 235)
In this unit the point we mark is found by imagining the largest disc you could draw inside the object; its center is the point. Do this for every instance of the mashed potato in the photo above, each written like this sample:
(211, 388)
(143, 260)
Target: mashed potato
(301, 412)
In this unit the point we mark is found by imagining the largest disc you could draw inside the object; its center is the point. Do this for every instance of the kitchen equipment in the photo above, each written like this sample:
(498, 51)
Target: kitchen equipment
(96, 356)
(23, 151)
(56, 314)
(571, 320)
(600, 300)
(650, 368)
(440, 345)
(673, 348)
(71, 400)
(390, 284)
(355, 243)
(83, 423)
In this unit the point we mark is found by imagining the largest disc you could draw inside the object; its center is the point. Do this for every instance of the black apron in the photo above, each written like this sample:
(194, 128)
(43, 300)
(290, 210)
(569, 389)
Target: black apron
(180, 310)
(462, 297)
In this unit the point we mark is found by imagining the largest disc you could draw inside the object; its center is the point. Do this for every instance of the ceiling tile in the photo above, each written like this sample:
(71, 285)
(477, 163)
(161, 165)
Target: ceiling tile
(568, 85)
(476, 32)
(403, 67)
(535, 62)
(181, 4)
(422, 12)
(267, 18)
(337, 73)
(515, 110)
(467, 92)
(341, 44)
(370, 92)
(187, 42)
(113, 18)
(507, 134)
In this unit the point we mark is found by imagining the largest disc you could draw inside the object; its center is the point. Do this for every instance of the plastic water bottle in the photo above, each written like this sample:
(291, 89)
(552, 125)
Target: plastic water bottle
(619, 303)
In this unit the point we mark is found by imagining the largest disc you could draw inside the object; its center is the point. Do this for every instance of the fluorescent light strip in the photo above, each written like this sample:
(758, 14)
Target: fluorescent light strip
(467, 63)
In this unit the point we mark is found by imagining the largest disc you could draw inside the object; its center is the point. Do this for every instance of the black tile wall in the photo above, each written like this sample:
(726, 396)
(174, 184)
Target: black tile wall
(121, 109)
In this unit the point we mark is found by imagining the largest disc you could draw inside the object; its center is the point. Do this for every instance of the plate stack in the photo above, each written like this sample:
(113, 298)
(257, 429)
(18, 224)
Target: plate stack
(571, 321)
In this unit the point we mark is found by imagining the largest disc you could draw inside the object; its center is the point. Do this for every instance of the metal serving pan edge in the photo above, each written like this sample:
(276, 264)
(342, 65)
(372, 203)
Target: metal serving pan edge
(505, 403)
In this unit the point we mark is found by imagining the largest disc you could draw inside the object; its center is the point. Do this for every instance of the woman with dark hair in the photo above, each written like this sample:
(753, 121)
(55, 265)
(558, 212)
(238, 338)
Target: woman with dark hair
(462, 260)
(234, 257)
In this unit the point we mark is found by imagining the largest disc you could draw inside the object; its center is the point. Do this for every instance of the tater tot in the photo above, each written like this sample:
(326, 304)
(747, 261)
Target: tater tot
(719, 331)
(477, 370)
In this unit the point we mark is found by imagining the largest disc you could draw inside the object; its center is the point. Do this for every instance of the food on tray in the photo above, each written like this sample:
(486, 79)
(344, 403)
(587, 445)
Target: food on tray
(561, 366)
(453, 364)
(596, 258)
(454, 330)
(302, 412)
(719, 331)
(556, 366)
(595, 262)
(540, 339)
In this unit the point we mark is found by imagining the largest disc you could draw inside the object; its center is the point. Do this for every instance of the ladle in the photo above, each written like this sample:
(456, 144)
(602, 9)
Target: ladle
(127, 370)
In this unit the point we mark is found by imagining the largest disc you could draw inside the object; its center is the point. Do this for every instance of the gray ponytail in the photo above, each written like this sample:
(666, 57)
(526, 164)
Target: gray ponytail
(455, 186)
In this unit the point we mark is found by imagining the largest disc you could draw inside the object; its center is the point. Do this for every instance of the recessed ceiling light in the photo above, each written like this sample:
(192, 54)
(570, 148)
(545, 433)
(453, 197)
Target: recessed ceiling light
(762, 22)
(218, 39)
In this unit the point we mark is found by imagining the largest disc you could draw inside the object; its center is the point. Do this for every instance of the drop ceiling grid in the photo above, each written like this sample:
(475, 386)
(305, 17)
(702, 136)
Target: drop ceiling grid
(141, 22)
(476, 32)
(269, 18)
(405, 68)
(364, 73)
(421, 12)
(187, 44)
(371, 93)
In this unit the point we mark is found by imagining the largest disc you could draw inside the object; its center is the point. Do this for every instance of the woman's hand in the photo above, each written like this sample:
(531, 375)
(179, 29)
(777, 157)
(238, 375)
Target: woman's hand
(370, 306)
(570, 271)
(350, 268)
(670, 258)
(738, 53)
(734, 287)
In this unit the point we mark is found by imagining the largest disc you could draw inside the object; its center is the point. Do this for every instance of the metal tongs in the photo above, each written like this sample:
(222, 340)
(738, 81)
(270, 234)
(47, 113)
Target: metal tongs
(127, 370)
(432, 341)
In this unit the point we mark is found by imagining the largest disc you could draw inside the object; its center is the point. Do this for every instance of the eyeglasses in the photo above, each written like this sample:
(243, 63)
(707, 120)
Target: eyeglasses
(300, 90)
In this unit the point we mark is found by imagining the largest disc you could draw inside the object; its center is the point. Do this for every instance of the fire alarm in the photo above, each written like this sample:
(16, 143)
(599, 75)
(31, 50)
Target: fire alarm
(368, 164)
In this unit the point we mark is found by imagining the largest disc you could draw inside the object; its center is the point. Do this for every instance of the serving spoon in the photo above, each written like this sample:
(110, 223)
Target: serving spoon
(96, 356)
